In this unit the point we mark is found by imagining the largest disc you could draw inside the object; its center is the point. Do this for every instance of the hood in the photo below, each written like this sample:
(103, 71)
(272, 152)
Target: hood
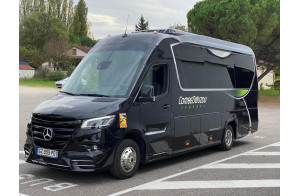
(77, 107)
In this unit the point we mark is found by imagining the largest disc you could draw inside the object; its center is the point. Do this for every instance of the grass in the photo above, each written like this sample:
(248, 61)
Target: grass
(269, 97)
(270, 92)
(37, 83)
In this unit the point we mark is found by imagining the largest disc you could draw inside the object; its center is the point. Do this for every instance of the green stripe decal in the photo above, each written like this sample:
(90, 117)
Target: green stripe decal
(237, 93)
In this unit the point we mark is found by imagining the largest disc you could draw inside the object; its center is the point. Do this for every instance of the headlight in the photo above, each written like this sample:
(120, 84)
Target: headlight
(98, 122)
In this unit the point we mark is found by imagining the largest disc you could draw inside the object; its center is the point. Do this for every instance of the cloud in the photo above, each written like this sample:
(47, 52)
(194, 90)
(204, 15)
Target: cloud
(94, 18)
(109, 17)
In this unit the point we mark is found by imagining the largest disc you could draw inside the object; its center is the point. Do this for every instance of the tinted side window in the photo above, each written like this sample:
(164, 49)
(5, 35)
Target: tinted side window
(243, 77)
(219, 76)
(191, 74)
(157, 77)
(198, 68)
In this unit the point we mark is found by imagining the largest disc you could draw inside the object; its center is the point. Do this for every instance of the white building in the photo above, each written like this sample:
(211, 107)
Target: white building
(78, 52)
(26, 71)
(266, 82)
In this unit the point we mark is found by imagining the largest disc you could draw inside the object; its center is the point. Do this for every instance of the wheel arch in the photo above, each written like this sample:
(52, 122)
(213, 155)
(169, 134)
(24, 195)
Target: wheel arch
(233, 122)
(137, 136)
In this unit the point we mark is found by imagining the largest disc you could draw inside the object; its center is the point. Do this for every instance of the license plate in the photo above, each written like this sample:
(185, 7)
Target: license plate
(47, 153)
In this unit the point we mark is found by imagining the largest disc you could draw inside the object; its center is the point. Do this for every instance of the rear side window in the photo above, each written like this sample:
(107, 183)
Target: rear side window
(219, 76)
(205, 75)
(200, 69)
(191, 74)
(243, 77)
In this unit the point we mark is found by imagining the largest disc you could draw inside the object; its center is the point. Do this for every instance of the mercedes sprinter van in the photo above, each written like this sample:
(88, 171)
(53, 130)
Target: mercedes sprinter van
(145, 96)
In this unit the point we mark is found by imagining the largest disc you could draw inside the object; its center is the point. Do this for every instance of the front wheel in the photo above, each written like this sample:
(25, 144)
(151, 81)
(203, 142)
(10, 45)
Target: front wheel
(227, 140)
(126, 160)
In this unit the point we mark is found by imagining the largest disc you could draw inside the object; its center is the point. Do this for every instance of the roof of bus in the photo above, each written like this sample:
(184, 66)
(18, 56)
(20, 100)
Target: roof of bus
(149, 36)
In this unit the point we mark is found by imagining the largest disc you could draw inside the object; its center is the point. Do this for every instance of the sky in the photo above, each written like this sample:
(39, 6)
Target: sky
(110, 16)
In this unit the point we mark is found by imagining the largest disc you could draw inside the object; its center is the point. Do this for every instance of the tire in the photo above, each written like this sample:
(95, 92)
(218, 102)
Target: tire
(126, 160)
(227, 140)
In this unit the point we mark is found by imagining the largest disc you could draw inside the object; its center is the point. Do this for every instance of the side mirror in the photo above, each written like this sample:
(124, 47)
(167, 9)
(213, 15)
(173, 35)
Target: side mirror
(147, 94)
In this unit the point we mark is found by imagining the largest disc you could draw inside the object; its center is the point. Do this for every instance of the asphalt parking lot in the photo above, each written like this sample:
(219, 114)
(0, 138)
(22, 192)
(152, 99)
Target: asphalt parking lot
(252, 167)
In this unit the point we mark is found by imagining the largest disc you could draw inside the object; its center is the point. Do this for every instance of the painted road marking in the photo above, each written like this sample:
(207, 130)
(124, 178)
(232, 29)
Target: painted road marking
(276, 144)
(262, 153)
(187, 171)
(30, 181)
(39, 181)
(259, 137)
(241, 166)
(60, 186)
(25, 176)
(21, 161)
(22, 152)
(210, 184)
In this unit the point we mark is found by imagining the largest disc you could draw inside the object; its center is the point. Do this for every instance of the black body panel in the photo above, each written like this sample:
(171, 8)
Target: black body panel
(205, 93)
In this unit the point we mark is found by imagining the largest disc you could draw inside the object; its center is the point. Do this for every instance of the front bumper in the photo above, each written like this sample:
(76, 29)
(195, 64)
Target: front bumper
(78, 154)
(70, 160)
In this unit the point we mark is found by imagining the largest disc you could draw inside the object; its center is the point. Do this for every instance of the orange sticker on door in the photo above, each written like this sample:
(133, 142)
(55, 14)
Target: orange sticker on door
(123, 120)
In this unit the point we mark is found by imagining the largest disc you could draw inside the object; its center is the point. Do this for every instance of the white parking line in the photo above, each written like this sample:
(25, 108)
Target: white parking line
(184, 172)
(22, 152)
(21, 161)
(210, 184)
(263, 153)
(241, 166)
(276, 144)
(20, 194)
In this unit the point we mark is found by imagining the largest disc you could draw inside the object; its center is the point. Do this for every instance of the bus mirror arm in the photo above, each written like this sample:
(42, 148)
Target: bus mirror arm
(147, 94)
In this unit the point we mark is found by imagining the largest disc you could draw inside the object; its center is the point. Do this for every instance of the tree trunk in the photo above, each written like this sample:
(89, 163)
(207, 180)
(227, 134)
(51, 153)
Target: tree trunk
(265, 73)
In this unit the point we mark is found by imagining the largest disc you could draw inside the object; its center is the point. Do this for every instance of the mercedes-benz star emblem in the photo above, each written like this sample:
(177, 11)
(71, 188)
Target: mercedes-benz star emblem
(48, 132)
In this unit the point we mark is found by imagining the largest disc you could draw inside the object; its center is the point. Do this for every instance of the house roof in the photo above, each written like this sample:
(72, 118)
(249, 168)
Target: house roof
(26, 67)
(84, 49)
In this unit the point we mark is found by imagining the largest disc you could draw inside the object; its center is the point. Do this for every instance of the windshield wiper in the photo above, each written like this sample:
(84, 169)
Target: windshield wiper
(67, 93)
(92, 95)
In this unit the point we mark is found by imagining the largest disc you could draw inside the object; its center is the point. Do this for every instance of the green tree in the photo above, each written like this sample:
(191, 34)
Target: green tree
(70, 14)
(38, 29)
(248, 22)
(42, 7)
(64, 11)
(79, 25)
(142, 24)
(179, 27)
(58, 8)
(74, 39)
(87, 41)
(34, 56)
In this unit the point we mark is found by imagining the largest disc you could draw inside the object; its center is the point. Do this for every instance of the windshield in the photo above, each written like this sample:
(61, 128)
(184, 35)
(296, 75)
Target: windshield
(108, 70)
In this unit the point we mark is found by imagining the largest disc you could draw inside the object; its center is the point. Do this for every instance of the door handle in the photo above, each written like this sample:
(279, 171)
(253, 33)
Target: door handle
(166, 106)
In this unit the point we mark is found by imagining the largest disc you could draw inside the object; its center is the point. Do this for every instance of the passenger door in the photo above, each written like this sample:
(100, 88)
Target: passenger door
(156, 116)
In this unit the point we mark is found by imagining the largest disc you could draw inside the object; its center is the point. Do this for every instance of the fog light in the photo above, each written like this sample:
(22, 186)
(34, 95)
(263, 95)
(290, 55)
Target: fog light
(95, 147)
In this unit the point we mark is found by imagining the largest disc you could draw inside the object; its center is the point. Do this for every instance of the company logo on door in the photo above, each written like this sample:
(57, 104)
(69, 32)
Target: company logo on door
(192, 100)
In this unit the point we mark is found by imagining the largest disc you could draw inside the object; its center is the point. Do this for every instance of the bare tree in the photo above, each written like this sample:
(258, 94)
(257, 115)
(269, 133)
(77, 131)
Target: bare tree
(56, 52)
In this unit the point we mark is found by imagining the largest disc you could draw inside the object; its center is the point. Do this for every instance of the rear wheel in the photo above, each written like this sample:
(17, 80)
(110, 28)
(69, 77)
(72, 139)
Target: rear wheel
(227, 140)
(126, 160)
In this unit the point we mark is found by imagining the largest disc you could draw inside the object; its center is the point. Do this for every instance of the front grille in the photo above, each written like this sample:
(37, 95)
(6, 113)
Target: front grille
(62, 130)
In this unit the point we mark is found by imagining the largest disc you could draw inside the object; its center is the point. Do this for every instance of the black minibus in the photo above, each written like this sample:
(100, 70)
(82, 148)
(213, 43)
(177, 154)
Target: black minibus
(145, 96)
